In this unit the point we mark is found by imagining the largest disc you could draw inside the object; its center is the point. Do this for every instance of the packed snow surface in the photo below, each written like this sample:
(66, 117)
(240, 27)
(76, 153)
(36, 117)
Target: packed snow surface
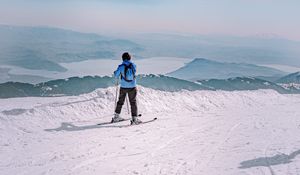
(199, 132)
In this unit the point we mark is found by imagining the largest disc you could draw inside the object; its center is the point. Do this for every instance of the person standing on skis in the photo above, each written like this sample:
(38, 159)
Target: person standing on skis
(127, 72)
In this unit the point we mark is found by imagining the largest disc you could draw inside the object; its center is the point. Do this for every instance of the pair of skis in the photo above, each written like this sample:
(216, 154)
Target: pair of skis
(128, 119)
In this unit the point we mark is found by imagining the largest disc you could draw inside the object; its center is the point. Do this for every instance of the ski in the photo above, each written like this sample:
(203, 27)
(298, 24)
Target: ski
(107, 123)
(127, 125)
(111, 122)
(144, 122)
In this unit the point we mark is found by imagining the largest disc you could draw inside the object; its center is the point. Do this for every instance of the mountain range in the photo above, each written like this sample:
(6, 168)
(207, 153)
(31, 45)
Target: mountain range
(43, 48)
(241, 49)
(81, 85)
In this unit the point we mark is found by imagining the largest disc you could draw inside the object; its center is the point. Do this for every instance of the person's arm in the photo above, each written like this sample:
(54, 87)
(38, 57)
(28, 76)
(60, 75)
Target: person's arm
(117, 72)
(134, 67)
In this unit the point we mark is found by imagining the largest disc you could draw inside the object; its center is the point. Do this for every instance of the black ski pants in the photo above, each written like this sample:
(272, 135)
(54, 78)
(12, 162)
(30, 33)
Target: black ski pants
(132, 99)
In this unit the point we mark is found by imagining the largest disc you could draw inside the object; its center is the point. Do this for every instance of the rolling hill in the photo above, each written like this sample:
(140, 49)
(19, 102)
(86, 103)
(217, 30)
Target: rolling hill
(201, 68)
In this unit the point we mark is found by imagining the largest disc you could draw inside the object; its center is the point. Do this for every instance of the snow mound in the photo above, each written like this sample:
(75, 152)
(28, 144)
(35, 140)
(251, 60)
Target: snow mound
(100, 103)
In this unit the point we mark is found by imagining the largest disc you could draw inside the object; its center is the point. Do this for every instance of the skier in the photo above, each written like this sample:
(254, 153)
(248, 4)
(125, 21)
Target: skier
(127, 71)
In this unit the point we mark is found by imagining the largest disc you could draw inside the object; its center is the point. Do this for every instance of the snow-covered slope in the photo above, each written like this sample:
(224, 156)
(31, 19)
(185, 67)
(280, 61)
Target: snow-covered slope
(291, 78)
(290, 82)
(199, 132)
(244, 83)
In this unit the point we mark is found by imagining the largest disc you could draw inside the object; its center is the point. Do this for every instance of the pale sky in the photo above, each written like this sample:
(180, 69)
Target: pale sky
(229, 17)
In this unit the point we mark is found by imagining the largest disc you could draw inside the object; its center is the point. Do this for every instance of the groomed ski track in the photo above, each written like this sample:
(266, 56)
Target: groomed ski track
(200, 132)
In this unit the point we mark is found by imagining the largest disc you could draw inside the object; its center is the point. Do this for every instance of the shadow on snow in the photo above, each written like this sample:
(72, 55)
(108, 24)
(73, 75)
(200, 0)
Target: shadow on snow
(269, 161)
(71, 127)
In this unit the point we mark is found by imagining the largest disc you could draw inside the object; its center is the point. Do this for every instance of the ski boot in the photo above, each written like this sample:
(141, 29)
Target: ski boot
(135, 121)
(117, 118)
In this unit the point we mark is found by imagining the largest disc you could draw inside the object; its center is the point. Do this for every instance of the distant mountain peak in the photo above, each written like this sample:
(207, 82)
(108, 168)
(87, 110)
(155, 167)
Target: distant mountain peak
(203, 60)
(201, 68)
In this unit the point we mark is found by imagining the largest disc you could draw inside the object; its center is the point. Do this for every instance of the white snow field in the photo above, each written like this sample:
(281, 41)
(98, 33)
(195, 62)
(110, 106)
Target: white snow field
(198, 133)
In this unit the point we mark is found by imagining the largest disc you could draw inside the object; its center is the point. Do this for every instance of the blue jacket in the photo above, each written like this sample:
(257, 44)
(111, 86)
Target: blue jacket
(120, 71)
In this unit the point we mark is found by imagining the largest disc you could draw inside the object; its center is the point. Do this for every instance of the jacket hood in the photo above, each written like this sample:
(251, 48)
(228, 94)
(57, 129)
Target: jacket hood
(127, 62)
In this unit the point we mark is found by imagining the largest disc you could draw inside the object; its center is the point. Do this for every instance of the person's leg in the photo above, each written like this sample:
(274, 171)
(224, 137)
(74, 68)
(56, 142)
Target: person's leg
(120, 101)
(132, 99)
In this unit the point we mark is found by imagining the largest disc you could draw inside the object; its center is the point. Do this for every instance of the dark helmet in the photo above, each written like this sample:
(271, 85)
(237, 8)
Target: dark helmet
(126, 56)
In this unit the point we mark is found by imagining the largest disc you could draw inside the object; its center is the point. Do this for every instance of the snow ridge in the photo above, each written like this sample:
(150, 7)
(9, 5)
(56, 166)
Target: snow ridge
(100, 103)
